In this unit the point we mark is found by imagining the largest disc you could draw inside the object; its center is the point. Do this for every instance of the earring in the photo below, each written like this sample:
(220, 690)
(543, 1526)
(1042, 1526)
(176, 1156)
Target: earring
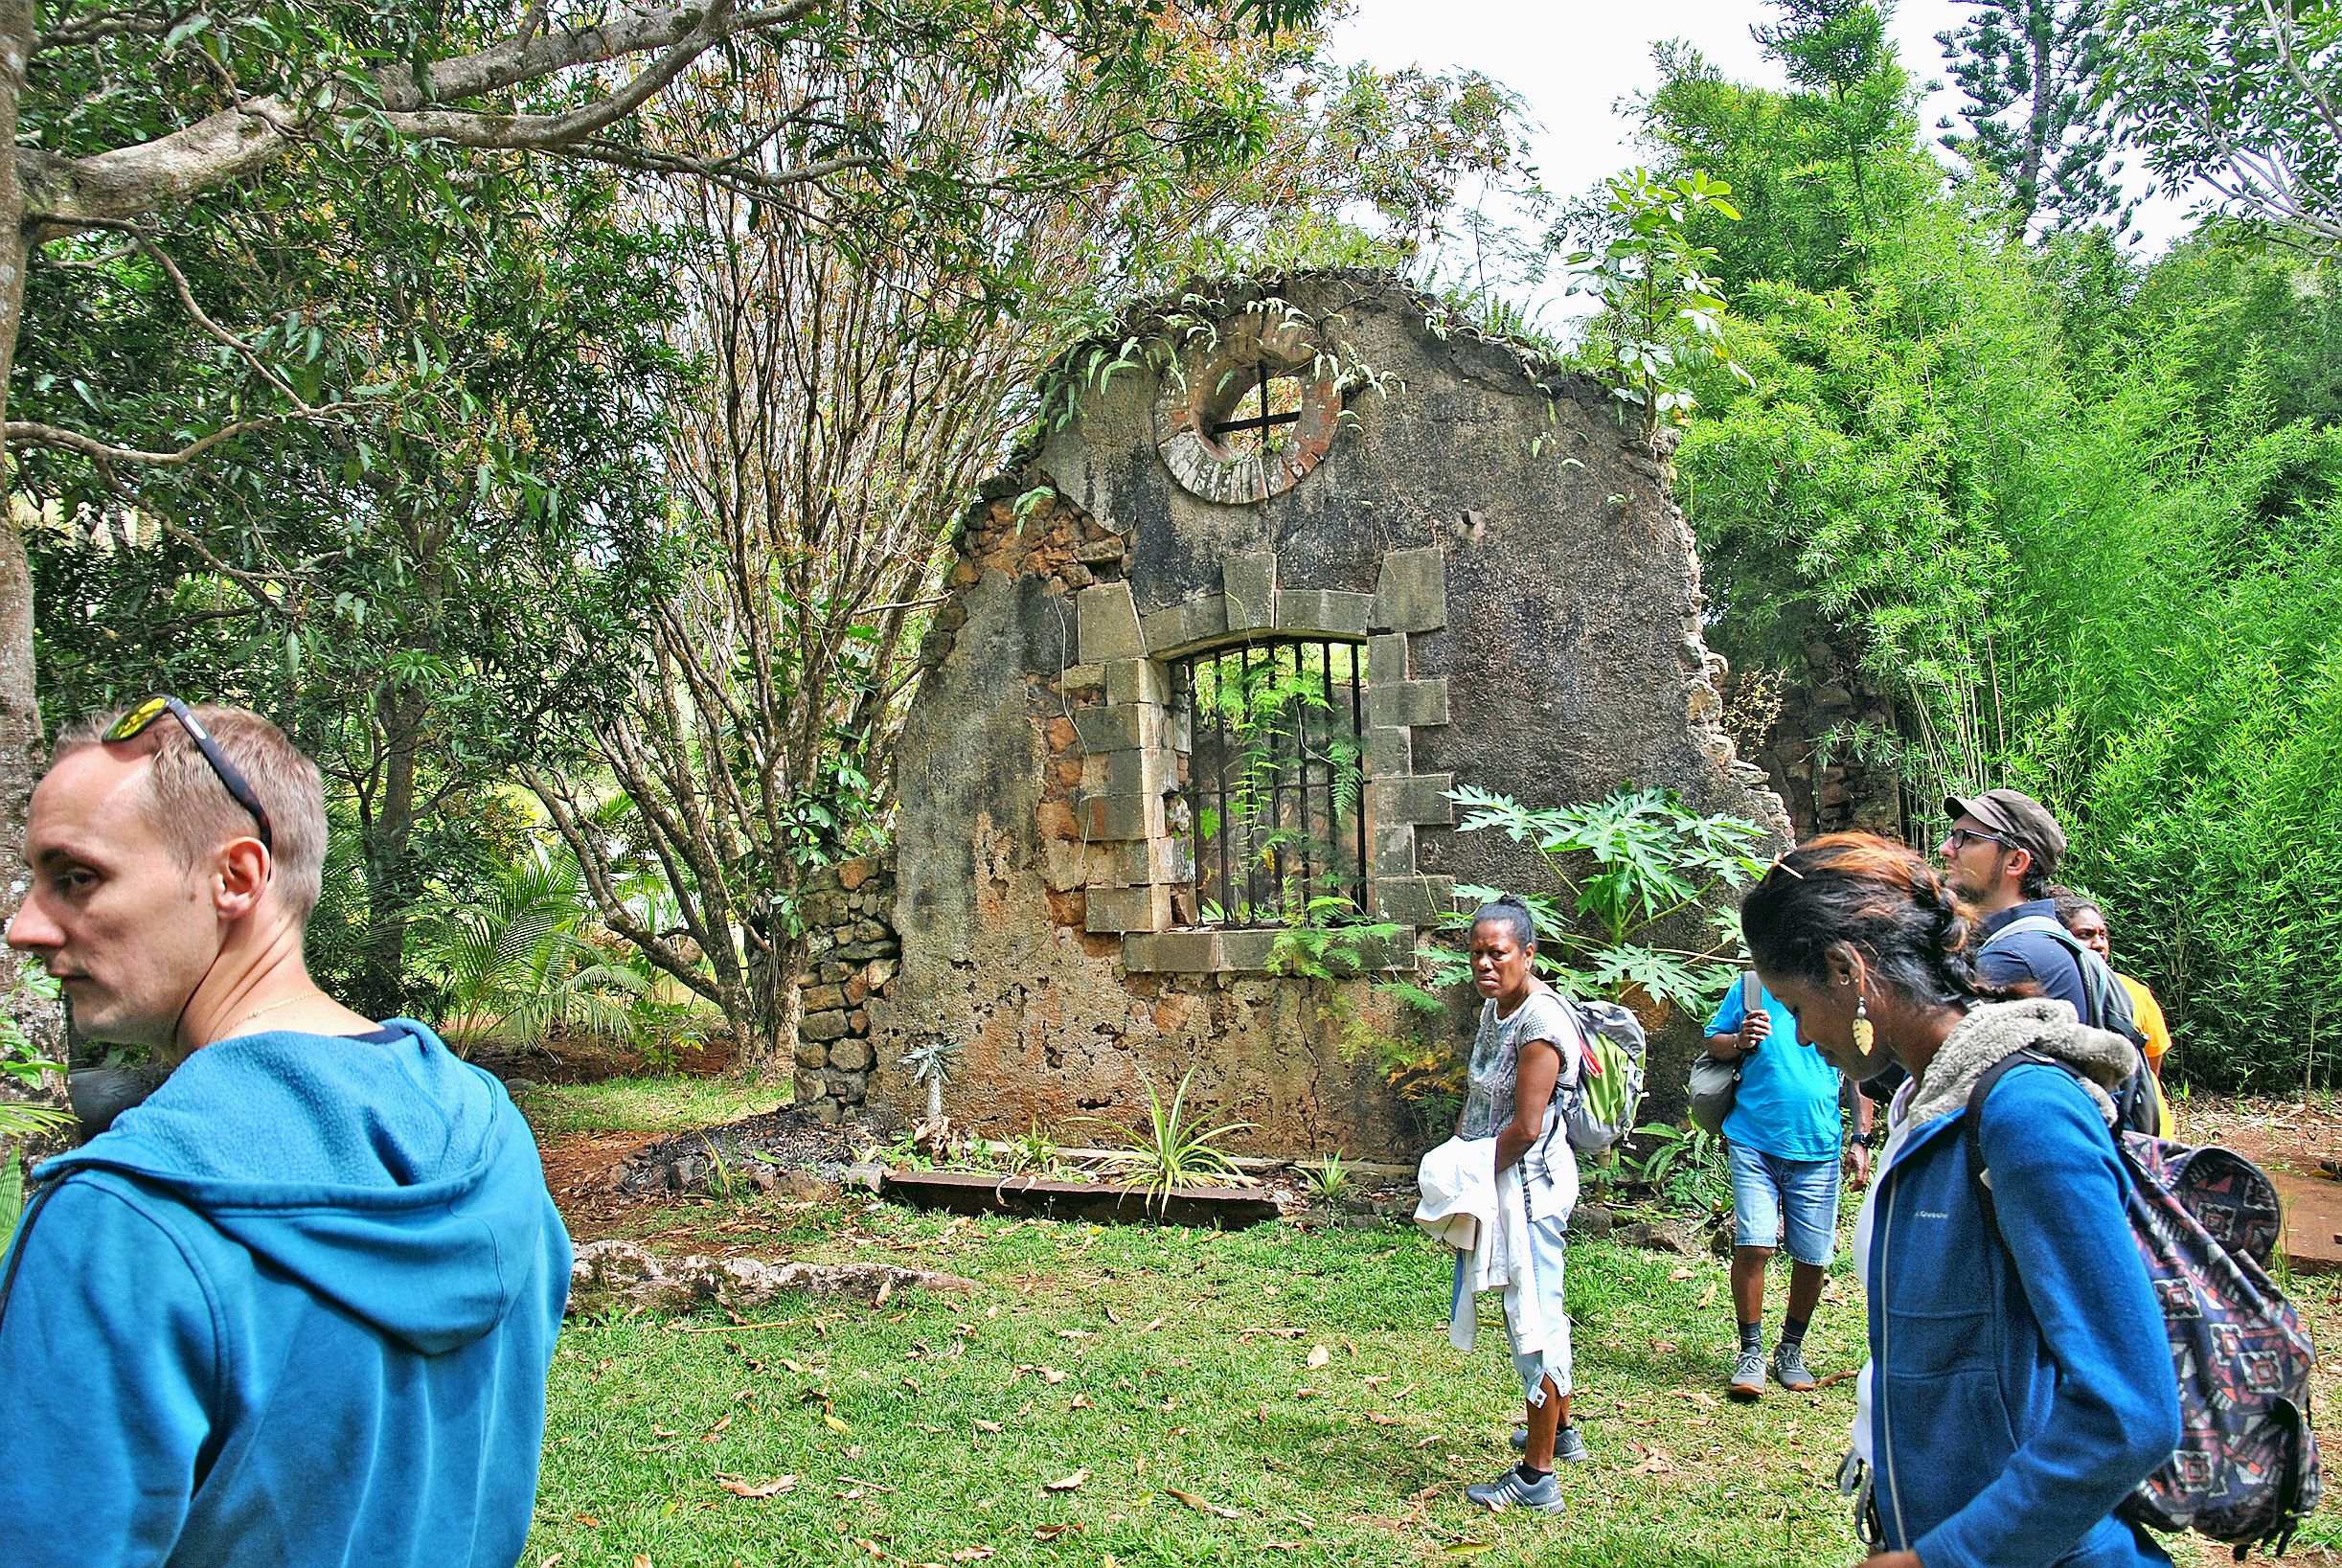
(1865, 1032)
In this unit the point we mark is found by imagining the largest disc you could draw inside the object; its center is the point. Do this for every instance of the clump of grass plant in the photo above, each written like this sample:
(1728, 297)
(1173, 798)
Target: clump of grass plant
(1174, 1149)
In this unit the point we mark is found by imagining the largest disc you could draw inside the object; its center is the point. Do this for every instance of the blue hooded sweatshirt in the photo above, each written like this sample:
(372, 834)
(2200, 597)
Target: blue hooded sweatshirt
(296, 1309)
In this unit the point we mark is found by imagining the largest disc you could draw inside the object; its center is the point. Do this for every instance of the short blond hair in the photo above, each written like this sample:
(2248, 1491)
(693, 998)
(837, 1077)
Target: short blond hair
(193, 810)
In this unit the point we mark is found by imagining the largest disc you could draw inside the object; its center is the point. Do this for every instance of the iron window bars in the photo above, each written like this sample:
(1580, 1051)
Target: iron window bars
(1271, 400)
(1273, 804)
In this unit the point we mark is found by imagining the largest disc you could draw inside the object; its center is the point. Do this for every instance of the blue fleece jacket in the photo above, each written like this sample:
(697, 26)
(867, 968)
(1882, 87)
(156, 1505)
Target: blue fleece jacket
(297, 1308)
(2020, 1388)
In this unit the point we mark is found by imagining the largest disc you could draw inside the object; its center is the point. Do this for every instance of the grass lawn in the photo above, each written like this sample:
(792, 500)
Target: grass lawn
(665, 1102)
(1152, 1362)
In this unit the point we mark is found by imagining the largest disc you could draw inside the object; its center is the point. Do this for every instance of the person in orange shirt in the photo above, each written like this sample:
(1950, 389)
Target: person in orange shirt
(2087, 922)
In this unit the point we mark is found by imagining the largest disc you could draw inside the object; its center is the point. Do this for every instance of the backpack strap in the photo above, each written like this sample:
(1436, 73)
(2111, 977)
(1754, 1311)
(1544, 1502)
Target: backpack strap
(22, 1241)
(2135, 1103)
(1971, 1130)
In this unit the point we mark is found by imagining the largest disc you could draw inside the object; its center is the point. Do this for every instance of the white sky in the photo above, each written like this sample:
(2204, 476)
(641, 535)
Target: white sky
(1572, 62)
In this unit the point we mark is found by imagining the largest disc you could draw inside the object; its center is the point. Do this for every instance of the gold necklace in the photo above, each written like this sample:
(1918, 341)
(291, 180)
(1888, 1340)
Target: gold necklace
(299, 996)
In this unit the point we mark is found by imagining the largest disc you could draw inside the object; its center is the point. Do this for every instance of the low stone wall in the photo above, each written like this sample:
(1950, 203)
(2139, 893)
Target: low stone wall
(852, 953)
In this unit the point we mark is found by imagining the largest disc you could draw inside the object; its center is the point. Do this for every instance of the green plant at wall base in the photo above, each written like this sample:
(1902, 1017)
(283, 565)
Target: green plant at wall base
(1029, 1152)
(1328, 1178)
(1630, 864)
(1174, 1149)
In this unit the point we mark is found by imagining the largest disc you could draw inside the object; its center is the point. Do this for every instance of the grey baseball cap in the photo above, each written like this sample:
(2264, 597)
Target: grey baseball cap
(2017, 817)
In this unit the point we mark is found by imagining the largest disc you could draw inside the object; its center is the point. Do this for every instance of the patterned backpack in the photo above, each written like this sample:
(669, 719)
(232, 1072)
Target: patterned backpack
(2207, 1223)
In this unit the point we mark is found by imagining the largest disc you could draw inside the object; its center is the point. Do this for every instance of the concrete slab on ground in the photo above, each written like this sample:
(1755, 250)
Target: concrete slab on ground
(2313, 1221)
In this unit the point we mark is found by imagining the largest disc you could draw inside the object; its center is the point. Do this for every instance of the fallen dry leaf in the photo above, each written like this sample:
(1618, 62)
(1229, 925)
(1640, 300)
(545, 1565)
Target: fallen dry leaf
(988, 1426)
(833, 1423)
(718, 1430)
(1049, 1533)
(1381, 1419)
(1051, 1375)
(1069, 1484)
(1152, 1327)
(1655, 1462)
(641, 1560)
(1082, 1401)
(774, 1487)
(1319, 1355)
(587, 1520)
(971, 1554)
(1679, 1274)
(1201, 1504)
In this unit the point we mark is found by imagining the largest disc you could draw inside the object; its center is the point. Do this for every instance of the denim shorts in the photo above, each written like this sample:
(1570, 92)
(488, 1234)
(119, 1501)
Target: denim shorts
(1767, 1189)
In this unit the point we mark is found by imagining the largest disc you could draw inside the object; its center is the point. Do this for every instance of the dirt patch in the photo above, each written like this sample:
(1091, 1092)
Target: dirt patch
(2291, 1136)
(795, 1138)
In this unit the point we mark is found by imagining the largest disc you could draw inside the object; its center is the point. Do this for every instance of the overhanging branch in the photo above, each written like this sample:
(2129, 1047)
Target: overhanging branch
(64, 195)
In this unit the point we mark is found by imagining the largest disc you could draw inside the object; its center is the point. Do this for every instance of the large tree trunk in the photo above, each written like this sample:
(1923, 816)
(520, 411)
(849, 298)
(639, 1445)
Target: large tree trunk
(2041, 31)
(391, 873)
(19, 712)
(20, 730)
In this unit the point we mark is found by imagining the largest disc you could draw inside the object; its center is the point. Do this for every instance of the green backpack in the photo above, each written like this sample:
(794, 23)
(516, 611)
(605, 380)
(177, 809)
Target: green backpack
(1600, 1107)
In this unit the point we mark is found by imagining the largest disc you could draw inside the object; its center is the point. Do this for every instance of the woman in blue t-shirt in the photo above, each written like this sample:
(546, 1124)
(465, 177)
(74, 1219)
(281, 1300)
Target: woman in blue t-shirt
(1782, 1145)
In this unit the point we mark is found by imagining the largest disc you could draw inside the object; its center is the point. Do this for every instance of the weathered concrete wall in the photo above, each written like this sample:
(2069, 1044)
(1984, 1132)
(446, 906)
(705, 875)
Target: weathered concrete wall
(1569, 644)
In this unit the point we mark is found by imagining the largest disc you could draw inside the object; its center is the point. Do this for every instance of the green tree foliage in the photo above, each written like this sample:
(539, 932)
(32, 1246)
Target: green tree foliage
(2078, 516)
(2243, 97)
(2030, 71)
(1814, 171)
(513, 959)
(413, 592)
(1661, 309)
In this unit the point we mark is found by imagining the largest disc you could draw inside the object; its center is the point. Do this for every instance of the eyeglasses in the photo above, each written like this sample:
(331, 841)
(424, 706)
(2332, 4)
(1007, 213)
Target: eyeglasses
(139, 720)
(1958, 838)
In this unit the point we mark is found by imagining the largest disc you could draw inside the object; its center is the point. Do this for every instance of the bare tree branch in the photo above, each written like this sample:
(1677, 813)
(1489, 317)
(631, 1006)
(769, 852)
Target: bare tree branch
(63, 196)
(32, 433)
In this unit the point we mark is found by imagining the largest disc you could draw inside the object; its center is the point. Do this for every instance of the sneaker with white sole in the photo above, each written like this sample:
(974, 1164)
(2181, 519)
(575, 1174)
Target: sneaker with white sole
(1789, 1367)
(1749, 1376)
(1510, 1490)
(1569, 1444)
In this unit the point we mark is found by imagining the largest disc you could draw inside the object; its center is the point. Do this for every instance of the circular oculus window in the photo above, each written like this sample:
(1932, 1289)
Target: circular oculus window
(1250, 423)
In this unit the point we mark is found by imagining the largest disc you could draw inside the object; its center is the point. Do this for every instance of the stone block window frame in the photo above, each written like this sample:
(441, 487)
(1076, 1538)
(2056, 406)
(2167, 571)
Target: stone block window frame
(1132, 742)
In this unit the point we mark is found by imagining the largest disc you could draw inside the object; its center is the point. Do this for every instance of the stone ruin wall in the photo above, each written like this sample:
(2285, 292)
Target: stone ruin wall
(852, 952)
(1529, 598)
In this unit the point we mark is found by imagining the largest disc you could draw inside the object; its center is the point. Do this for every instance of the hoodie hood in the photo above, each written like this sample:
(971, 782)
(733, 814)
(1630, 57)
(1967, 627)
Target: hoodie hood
(1994, 1029)
(386, 1174)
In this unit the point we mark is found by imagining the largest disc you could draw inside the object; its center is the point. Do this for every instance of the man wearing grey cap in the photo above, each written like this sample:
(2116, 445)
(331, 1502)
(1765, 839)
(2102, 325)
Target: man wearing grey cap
(2003, 848)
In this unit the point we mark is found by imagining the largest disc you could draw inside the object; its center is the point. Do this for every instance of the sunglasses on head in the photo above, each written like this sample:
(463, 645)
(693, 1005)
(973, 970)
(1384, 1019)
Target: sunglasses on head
(141, 718)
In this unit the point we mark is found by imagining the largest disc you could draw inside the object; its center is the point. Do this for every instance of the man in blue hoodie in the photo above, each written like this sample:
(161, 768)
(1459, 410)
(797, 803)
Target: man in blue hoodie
(298, 1306)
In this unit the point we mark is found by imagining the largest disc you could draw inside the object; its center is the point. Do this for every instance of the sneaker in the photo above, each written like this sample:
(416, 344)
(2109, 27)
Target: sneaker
(1569, 1444)
(1790, 1366)
(1749, 1376)
(1510, 1490)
